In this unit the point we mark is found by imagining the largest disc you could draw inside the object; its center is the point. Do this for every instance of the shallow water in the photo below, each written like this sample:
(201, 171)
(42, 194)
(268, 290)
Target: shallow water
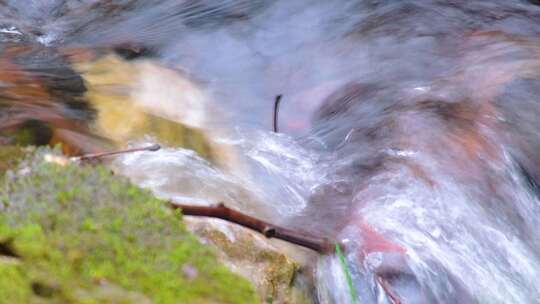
(410, 129)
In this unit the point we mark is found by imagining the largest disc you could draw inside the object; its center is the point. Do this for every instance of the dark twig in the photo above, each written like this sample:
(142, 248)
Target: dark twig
(94, 156)
(321, 245)
(275, 114)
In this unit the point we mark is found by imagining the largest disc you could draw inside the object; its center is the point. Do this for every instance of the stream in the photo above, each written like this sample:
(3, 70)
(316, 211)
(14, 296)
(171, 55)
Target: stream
(409, 130)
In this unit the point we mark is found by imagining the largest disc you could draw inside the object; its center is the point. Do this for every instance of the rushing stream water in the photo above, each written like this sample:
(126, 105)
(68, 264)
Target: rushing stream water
(410, 129)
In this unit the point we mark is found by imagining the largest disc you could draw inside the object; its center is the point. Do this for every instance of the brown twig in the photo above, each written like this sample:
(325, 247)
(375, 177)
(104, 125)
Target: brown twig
(321, 245)
(388, 290)
(275, 114)
(94, 156)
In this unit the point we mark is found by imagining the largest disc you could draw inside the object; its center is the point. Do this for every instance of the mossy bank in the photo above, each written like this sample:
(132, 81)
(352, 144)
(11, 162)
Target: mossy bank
(78, 234)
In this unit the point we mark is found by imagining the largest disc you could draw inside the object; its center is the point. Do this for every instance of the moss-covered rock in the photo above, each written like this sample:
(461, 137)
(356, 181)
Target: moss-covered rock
(71, 234)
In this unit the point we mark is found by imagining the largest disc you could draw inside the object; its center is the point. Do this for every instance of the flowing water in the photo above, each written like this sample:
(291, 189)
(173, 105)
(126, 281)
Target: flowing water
(410, 129)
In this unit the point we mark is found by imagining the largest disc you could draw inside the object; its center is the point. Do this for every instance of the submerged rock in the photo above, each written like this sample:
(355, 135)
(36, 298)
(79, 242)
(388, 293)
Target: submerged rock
(72, 234)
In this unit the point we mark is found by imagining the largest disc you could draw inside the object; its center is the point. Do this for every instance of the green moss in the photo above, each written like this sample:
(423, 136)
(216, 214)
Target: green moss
(82, 235)
(10, 156)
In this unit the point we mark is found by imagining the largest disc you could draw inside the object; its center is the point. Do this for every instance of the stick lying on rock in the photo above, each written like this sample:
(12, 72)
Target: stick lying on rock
(62, 160)
(321, 245)
(94, 156)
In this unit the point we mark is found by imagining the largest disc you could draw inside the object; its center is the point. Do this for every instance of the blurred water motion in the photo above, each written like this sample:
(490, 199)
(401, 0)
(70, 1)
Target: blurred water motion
(411, 128)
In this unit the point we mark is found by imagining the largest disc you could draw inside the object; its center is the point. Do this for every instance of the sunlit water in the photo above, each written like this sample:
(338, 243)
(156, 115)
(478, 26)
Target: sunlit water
(410, 129)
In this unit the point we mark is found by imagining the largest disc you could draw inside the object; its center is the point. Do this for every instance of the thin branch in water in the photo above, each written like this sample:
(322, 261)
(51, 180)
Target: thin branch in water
(388, 290)
(275, 114)
(321, 245)
(94, 156)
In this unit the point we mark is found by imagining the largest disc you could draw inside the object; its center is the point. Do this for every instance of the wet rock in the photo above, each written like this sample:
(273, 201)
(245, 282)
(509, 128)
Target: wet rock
(138, 99)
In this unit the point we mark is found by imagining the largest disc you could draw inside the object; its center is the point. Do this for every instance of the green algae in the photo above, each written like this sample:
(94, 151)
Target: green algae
(10, 155)
(79, 234)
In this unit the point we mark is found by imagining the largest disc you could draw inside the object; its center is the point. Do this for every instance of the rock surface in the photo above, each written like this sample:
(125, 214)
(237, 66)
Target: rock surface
(277, 273)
